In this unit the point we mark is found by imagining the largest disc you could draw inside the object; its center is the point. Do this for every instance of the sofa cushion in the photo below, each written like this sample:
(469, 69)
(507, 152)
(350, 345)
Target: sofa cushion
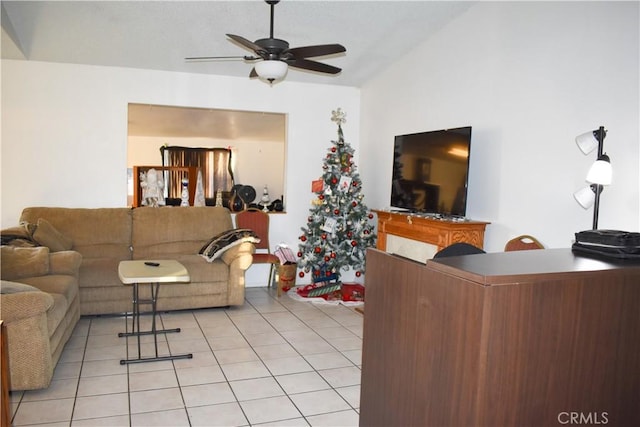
(161, 232)
(18, 263)
(202, 271)
(67, 286)
(99, 272)
(7, 287)
(99, 232)
(47, 235)
(65, 262)
(215, 247)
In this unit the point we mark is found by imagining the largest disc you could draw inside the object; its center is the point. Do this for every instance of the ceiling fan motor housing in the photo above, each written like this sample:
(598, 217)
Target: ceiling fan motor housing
(272, 47)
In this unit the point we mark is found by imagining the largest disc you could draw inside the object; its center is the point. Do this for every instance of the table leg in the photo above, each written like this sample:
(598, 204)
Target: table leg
(135, 327)
(136, 305)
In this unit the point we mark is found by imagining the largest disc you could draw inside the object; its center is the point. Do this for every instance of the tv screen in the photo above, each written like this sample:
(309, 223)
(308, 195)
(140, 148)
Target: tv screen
(430, 172)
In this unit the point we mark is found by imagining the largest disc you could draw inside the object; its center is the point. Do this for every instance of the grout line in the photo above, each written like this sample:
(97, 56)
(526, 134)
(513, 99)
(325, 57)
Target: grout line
(84, 352)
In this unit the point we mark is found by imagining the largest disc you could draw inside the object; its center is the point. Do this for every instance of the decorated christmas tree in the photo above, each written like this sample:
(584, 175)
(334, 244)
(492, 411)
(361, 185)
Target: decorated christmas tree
(339, 228)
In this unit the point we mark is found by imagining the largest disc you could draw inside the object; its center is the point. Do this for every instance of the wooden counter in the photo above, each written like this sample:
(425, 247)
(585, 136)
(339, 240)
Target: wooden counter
(500, 339)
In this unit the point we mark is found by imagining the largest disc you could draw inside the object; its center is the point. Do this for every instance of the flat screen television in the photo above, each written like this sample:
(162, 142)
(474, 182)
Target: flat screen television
(431, 171)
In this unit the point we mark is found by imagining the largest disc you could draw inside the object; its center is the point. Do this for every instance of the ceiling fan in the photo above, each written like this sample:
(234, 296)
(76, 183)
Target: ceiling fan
(275, 56)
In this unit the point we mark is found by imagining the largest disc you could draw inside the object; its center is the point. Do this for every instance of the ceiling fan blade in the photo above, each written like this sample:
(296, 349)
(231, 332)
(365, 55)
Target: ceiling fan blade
(272, 49)
(319, 50)
(307, 64)
(246, 43)
(222, 58)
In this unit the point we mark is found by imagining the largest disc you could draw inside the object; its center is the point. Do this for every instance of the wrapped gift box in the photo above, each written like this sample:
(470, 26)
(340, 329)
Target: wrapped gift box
(352, 292)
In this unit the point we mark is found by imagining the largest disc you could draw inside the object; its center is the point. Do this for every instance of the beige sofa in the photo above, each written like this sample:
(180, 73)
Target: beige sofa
(106, 236)
(40, 306)
(74, 271)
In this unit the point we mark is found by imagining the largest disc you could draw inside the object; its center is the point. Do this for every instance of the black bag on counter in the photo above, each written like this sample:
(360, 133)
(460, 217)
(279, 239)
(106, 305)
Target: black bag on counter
(609, 243)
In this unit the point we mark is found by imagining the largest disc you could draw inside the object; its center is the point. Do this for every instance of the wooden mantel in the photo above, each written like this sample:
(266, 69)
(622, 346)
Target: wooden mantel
(438, 232)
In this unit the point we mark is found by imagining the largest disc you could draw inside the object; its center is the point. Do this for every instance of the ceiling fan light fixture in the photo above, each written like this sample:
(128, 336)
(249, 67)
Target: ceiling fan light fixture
(271, 69)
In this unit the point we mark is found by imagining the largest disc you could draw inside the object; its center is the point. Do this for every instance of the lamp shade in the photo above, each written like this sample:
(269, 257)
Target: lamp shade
(601, 171)
(587, 142)
(271, 69)
(585, 197)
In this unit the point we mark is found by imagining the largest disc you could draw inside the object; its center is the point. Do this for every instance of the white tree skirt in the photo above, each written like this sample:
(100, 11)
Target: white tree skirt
(293, 294)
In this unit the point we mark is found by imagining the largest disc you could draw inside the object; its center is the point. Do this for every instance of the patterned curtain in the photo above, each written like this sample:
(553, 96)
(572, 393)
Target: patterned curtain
(215, 164)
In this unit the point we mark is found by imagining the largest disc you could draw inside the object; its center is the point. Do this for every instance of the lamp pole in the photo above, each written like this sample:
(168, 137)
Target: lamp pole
(598, 187)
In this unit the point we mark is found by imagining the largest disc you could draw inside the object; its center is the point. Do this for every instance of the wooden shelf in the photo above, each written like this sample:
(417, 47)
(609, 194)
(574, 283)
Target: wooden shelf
(191, 173)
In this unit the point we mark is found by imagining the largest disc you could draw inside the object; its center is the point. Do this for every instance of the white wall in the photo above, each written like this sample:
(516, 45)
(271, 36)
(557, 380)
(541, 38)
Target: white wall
(529, 77)
(64, 133)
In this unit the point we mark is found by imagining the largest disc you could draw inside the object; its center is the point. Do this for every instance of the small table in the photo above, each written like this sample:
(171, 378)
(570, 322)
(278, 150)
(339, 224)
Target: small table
(152, 273)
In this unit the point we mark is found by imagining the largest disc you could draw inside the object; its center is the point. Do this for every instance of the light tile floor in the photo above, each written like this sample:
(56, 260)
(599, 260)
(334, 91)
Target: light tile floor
(273, 361)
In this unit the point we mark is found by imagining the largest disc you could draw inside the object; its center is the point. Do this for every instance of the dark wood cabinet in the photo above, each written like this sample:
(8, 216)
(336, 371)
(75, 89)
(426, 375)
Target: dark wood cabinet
(5, 404)
(527, 338)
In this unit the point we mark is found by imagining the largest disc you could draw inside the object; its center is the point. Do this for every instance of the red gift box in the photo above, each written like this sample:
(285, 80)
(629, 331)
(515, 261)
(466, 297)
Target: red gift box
(352, 292)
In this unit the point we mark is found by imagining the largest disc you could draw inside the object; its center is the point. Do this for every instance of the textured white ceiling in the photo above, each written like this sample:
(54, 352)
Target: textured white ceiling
(160, 34)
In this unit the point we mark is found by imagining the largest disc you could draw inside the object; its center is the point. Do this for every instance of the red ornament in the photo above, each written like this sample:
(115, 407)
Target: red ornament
(317, 249)
(358, 273)
(336, 211)
(355, 183)
(321, 197)
(366, 231)
(333, 149)
(354, 203)
(349, 234)
(299, 254)
(334, 181)
(316, 272)
(333, 255)
(301, 274)
(370, 216)
(303, 238)
(326, 258)
(324, 236)
(354, 243)
(327, 273)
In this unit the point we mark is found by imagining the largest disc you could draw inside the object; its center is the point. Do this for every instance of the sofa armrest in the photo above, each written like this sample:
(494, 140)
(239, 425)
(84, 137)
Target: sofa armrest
(65, 262)
(239, 259)
(24, 310)
(240, 256)
(22, 305)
